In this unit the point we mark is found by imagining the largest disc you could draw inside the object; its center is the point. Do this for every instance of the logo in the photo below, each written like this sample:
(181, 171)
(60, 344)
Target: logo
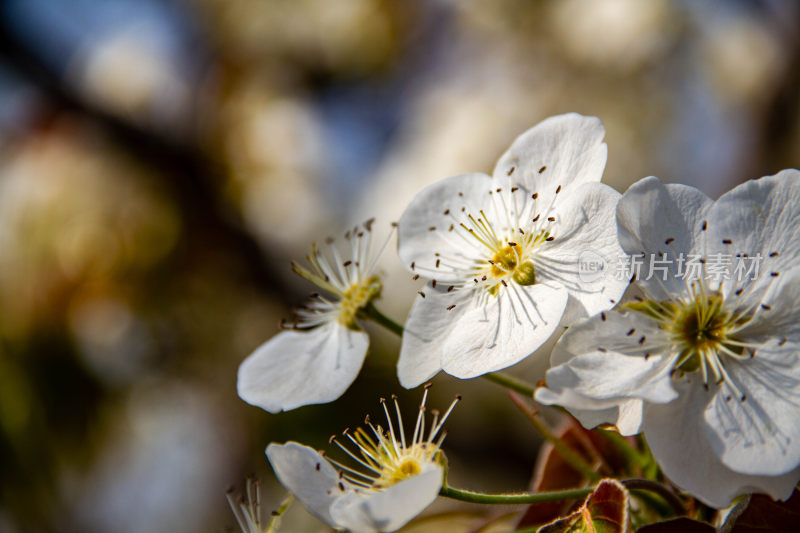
(591, 266)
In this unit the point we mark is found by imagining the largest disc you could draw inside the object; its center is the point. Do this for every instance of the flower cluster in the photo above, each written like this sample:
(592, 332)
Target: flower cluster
(705, 364)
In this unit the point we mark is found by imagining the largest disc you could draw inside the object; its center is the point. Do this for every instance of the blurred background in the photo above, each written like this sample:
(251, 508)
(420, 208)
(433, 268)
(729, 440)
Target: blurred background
(162, 161)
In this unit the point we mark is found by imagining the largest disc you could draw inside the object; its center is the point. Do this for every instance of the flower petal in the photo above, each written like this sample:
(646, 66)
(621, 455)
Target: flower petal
(654, 218)
(423, 228)
(760, 434)
(496, 332)
(296, 368)
(676, 433)
(389, 509)
(585, 234)
(761, 217)
(608, 364)
(307, 475)
(779, 317)
(425, 334)
(565, 150)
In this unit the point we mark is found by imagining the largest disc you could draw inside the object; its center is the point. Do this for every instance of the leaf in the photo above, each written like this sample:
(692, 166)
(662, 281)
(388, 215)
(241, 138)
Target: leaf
(677, 525)
(605, 511)
(765, 515)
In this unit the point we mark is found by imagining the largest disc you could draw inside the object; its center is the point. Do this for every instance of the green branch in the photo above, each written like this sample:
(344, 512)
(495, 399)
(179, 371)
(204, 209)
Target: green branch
(526, 498)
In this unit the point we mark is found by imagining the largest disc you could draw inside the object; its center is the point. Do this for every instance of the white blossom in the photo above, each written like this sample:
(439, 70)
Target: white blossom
(318, 355)
(503, 253)
(706, 366)
(385, 480)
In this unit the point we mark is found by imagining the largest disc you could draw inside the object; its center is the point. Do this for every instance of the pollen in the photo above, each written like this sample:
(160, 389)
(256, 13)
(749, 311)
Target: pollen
(355, 298)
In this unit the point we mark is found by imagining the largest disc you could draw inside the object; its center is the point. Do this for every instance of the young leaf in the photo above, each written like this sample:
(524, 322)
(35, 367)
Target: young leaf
(605, 511)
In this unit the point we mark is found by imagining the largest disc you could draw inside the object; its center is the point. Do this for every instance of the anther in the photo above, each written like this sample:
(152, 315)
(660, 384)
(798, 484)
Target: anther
(499, 189)
(601, 349)
(451, 307)
(544, 167)
(642, 339)
(774, 254)
(535, 195)
(551, 219)
(412, 265)
(428, 385)
(421, 293)
(348, 263)
(765, 307)
(550, 239)
(432, 228)
(705, 225)
(512, 243)
(774, 274)
(415, 277)
(670, 240)
(433, 283)
(558, 189)
(446, 211)
(630, 332)
(450, 288)
(438, 261)
(603, 317)
(510, 171)
(727, 241)
(318, 467)
(504, 283)
(739, 291)
(782, 342)
(536, 218)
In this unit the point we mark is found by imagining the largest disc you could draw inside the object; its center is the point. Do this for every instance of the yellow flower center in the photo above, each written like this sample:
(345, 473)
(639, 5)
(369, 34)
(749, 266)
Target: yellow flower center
(355, 298)
(702, 331)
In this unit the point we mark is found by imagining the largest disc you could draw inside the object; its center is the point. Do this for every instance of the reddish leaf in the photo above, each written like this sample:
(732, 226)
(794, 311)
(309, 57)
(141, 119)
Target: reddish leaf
(552, 472)
(764, 515)
(605, 511)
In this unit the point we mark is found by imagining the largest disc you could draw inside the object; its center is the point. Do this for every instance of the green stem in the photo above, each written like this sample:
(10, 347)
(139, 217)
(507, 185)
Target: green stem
(568, 454)
(513, 499)
(525, 498)
(371, 312)
(510, 383)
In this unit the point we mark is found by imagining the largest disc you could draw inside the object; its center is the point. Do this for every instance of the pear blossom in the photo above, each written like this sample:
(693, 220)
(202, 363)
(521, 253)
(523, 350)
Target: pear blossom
(707, 366)
(503, 253)
(317, 356)
(389, 479)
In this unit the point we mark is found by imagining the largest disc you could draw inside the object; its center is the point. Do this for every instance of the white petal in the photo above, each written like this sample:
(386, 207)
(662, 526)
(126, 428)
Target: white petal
(296, 368)
(389, 509)
(307, 475)
(780, 316)
(761, 217)
(676, 433)
(496, 332)
(423, 226)
(425, 334)
(627, 417)
(652, 218)
(760, 435)
(585, 234)
(611, 383)
(565, 150)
